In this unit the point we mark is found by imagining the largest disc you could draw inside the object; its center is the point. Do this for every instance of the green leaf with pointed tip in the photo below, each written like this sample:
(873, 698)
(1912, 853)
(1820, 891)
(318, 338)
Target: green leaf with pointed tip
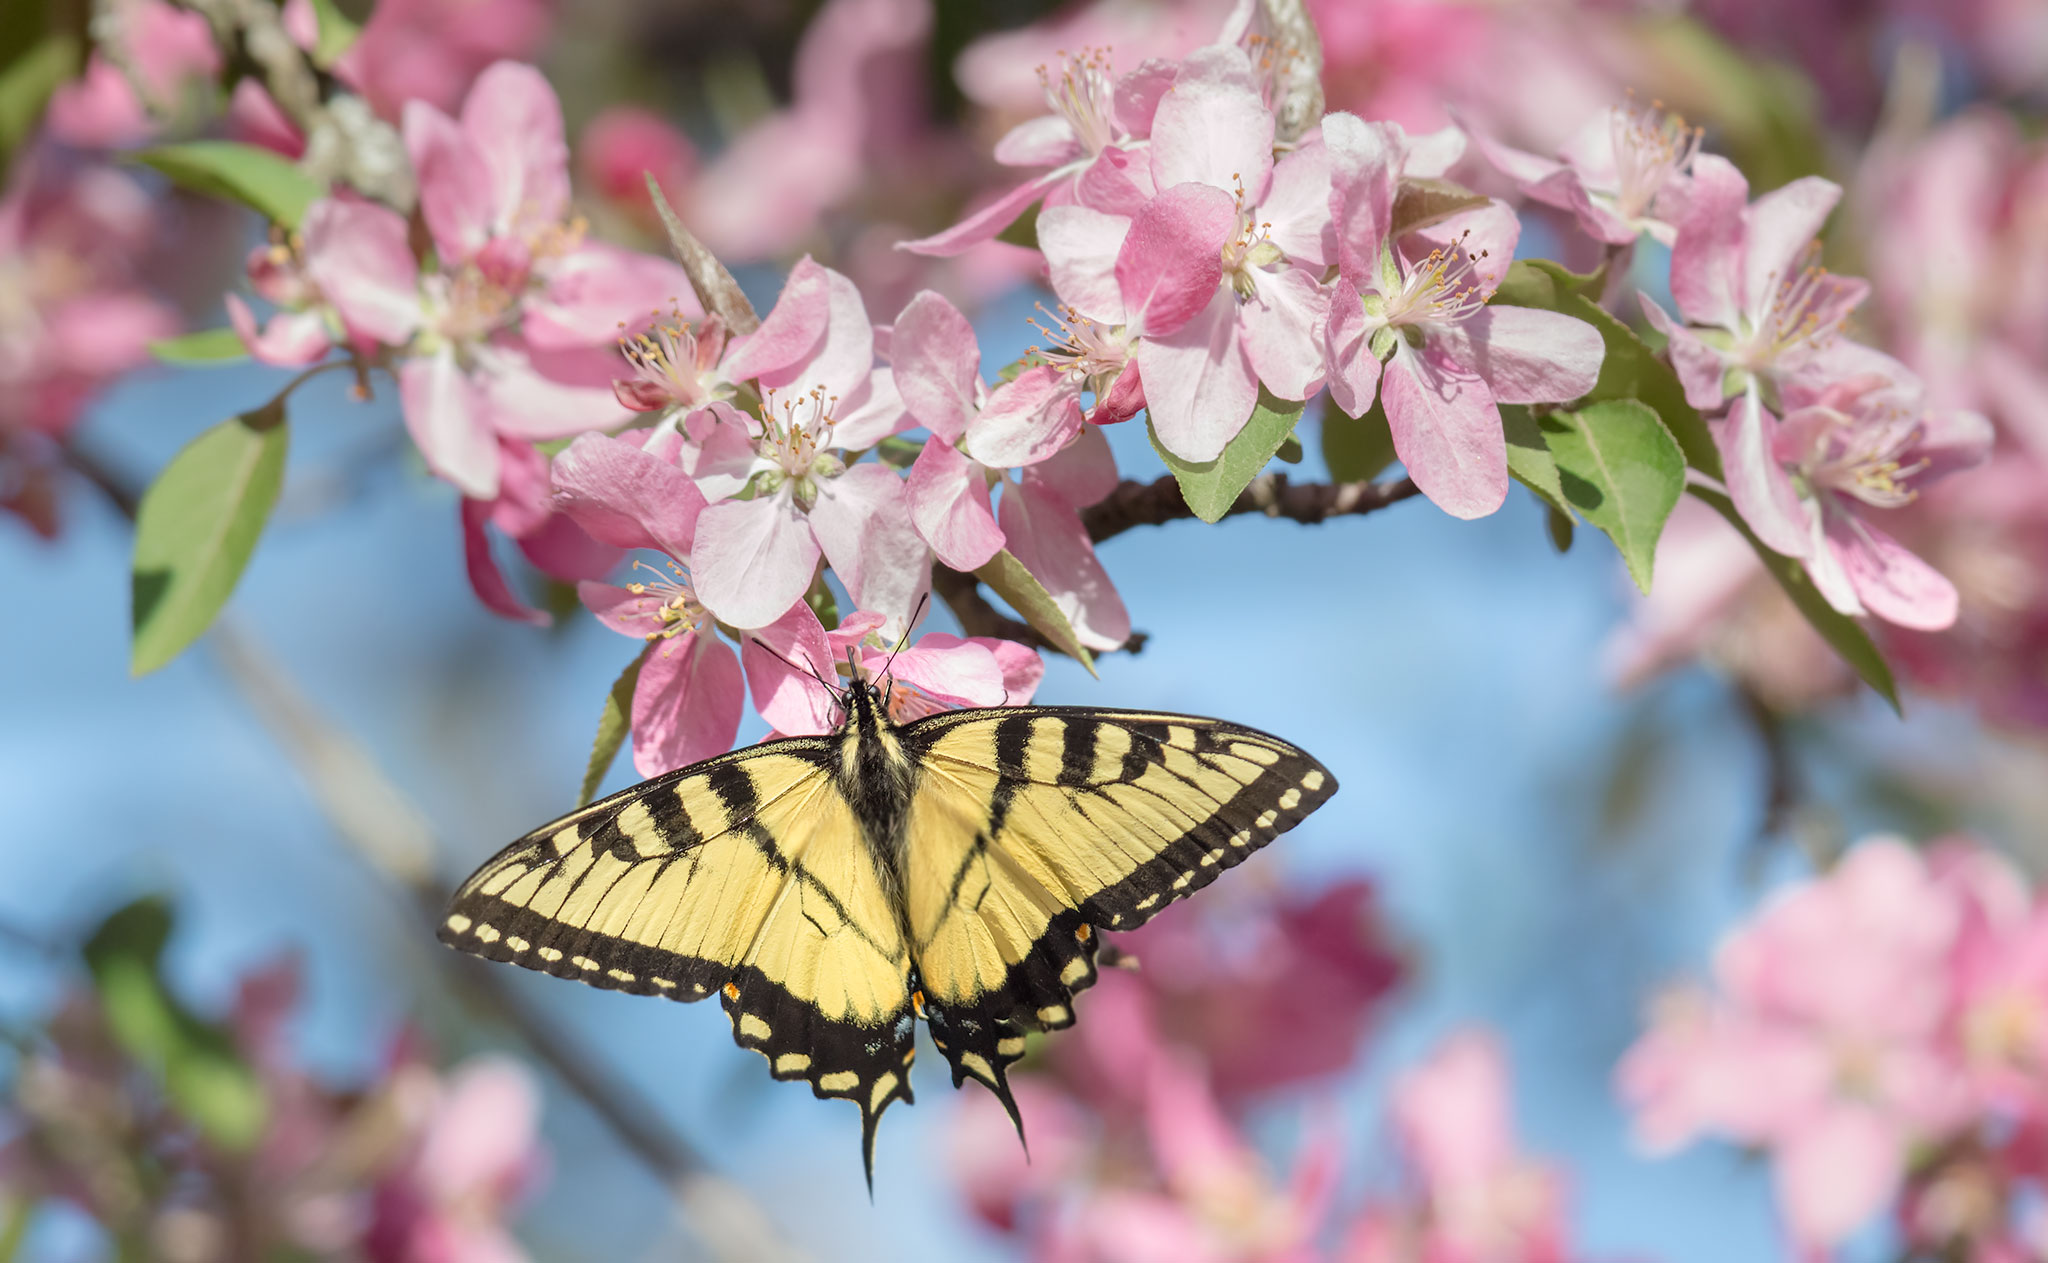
(1211, 487)
(1356, 448)
(1621, 469)
(338, 33)
(1420, 203)
(1023, 230)
(1630, 370)
(208, 346)
(257, 178)
(613, 723)
(1529, 458)
(1842, 632)
(196, 527)
(1008, 579)
(195, 1060)
(27, 84)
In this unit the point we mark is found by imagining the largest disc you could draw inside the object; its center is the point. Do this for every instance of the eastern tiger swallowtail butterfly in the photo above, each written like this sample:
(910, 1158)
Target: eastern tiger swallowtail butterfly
(832, 890)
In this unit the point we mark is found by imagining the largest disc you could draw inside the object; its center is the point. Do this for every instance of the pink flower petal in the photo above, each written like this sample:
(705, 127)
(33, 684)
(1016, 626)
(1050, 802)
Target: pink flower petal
(484, 1129)
(1081, 474)
(839, 362)
(561, 549)
(792, 699)
(1027, 419)
(791, 331)
(753, 559)
(936, 364)
(1282, 329)
(1446, 430)
(1046, 534)
(1364, 167)
(1707, 259)
(592, 292)
(1171, 262)
(533, 393)
(1081, 250)
(444, 412)
(1487, 235)
(1700, 368)
(625, 496)
(1953, 440)
(1837, 1172)
(951, 670)
(1891, 582)
(720, 451)
(485, 579)
(1776, 230)
(357, 254)
(1212, 127)
(1296, 213)
(949, 504)
(455, 184)
(1526, 355)
(1045, 141)
(292, 339)
(871, 413)
(1757, 482)
(1526, 169)
(515, 123)
(984, 225)
(1118, 182)
(687, 703)
(1199, 383)
(628, 613)
(1022, 667)
(862, 518)
(1354, 371)
(1124, 399)
(1139, 92)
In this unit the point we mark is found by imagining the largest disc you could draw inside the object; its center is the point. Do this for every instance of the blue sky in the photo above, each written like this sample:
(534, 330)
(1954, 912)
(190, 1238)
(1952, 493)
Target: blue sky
(1447, 672)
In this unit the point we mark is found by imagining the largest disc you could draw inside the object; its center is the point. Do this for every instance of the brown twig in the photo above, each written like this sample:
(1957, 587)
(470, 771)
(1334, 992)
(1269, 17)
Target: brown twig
(1160, 501)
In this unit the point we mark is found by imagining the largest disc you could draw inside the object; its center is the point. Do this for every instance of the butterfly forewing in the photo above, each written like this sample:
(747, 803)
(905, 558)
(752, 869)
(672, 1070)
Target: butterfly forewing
(747, 876)
(1032, 827)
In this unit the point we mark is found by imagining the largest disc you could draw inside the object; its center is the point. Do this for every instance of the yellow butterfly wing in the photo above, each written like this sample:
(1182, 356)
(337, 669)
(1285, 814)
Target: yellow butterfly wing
(746, 875)
(1031, 828)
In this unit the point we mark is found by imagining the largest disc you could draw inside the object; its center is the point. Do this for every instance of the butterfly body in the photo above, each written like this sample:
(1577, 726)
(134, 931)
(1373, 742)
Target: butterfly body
(834, 890)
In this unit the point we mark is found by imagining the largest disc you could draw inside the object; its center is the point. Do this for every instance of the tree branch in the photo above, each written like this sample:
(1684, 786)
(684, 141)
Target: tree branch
(1160, 501)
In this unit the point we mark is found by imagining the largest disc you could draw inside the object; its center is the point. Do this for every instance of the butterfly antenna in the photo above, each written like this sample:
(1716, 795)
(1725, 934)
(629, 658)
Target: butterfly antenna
(904, 640)
(804, 668)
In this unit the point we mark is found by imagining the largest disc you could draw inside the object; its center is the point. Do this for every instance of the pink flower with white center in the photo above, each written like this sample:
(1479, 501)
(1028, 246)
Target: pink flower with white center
(1481, 1198)
(1862, 445)
(822, 396)
(1215, 280)
(675, 367)
(1826, 1043)
(1100, 359)
(1624, 174)
(1419, 306)
(1092, 141)
(1760, 316)
(687, 702)
(1009, 439)
(301, 331)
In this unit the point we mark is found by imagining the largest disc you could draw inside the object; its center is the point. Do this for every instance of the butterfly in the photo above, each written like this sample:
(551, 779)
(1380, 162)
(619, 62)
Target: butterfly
(833, 890)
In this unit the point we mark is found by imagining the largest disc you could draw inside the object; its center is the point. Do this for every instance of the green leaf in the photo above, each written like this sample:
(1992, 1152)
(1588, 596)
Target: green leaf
(1356, 448)
(1011, 371)
(1211, 487)
(1622, 470)
(196, 1061)
(613, 722)
(338, 33)
(1529, 458)
(1631, 370)
(1560, 524)
(1290, 452)
(1008, 579)
(1023, 230)
(26, 86)
(1420, 203)
(208, 346)
(1838, 629)
(196, 527)
(255, 177)
(822, 602)
(898, 451)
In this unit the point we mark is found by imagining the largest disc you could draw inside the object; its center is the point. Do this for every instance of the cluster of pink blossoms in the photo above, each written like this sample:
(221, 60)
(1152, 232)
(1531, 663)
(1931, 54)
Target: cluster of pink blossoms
(1882, 1032)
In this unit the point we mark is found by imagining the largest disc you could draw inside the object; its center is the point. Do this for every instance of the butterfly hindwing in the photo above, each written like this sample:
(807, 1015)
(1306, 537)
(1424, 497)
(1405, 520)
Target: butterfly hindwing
(746, 876)
(1033, 827)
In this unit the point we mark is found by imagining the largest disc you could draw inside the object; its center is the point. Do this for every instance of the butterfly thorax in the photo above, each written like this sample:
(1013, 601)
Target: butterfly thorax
(875, 775)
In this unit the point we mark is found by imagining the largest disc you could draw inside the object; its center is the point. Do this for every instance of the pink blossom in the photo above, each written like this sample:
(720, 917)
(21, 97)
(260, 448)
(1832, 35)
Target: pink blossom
(822, 397)
(1419, 305)
(1623, 174)
(432, 50)
(477, 1154)
(152, 63)
(1090, 142)
(1825, 1044)
(1480, 1199)
(622, 146)
(301, 329)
